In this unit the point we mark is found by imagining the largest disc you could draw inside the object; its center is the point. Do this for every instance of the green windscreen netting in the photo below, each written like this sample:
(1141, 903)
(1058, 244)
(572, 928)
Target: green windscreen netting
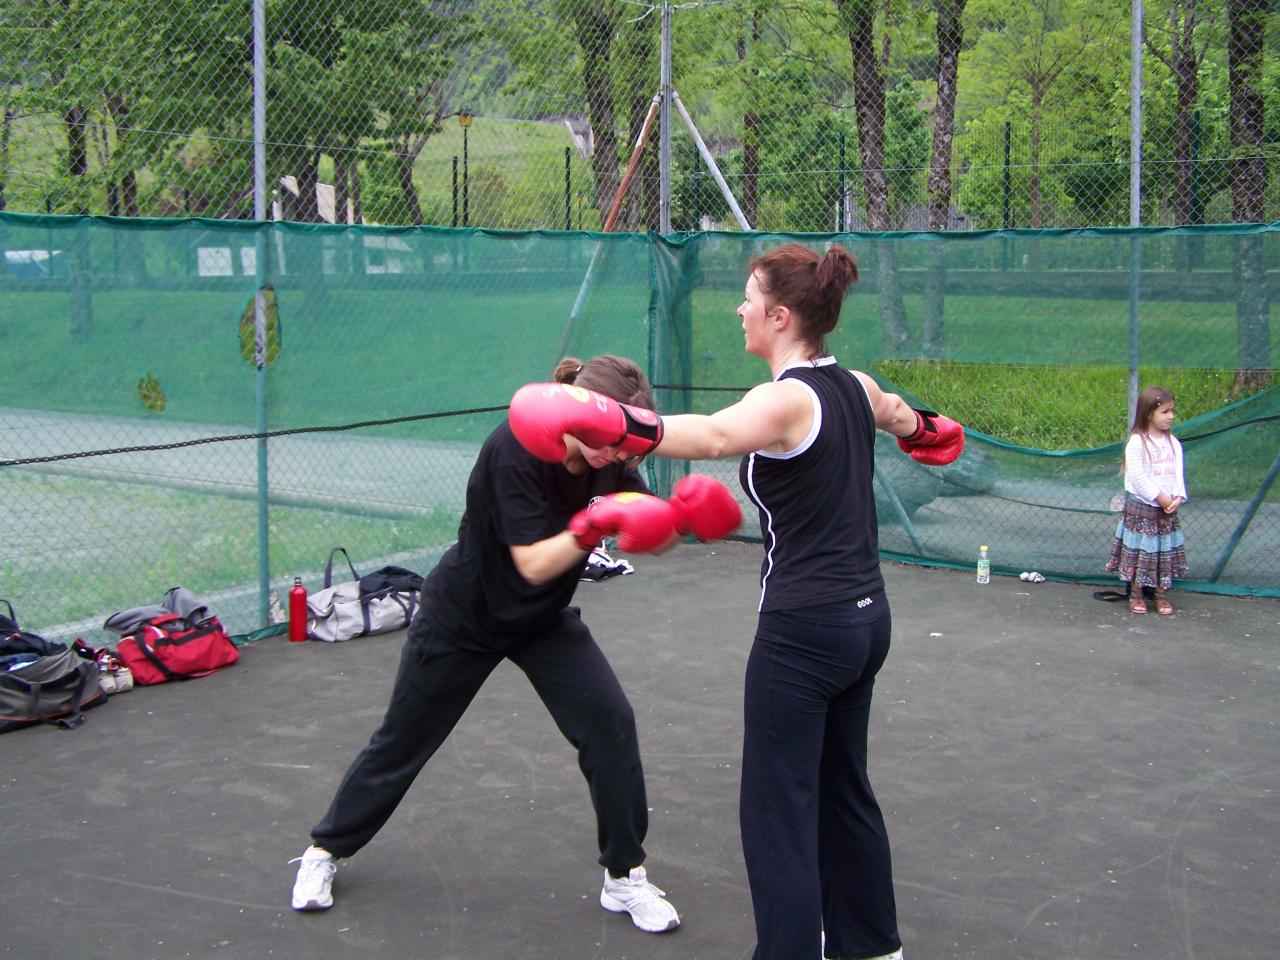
(141, 446)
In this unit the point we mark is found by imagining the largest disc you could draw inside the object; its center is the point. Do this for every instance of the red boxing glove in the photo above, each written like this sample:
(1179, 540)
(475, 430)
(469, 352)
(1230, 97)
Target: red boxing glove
(706, 508)
(642, 523)
(937, 441)
(542, 413)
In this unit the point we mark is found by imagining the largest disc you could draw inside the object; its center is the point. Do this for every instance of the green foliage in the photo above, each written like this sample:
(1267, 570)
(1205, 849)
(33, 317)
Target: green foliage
(146, 106)
(248, 329)
(151, 394)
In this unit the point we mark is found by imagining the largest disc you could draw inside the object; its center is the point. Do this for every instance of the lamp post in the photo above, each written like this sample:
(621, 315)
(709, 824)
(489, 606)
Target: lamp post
(464, 118)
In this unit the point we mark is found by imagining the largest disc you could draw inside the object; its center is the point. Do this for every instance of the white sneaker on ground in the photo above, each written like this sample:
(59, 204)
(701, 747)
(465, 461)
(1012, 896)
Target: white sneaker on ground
(313, 888)
(634, 894)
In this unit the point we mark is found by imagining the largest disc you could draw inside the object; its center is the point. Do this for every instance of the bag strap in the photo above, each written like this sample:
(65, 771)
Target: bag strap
(1112, 596)
(390, 593)
(141, 642)
(328, 567)
(12, 616)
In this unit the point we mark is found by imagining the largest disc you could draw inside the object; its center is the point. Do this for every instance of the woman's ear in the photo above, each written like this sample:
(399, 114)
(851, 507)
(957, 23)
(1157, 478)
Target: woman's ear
(781, 316)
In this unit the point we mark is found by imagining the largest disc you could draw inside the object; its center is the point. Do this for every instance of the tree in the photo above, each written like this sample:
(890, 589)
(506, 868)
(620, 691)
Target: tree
(1183, 53)
(950, 35)
(1032, 49)
(858, 20)
(1247, 28)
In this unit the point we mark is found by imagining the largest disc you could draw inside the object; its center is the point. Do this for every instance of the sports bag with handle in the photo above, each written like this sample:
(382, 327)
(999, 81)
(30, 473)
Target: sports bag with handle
(168, 647)
(378, 602)
(42, 681)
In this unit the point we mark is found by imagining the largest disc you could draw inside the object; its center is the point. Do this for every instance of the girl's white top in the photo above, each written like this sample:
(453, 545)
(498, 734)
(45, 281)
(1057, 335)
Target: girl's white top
(1153, 464)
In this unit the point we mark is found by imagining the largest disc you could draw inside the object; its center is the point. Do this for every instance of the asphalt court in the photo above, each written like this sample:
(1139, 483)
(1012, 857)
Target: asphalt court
(1060, 778)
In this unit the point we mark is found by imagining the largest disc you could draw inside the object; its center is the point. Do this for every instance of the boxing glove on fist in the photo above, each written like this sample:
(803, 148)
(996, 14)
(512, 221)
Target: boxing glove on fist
(937, 440)
(705, 507)
(542, 413)
(642, 523)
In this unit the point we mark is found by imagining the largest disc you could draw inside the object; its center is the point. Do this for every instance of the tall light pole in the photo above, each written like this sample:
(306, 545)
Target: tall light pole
(464, 118)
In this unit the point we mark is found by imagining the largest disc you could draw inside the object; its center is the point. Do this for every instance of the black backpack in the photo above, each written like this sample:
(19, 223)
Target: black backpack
(18, 646)
(42, 681)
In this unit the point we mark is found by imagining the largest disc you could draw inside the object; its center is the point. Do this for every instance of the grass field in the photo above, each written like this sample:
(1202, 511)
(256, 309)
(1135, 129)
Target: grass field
(80, 533)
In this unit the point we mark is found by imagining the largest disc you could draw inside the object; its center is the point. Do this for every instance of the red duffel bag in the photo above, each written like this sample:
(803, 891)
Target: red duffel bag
(167, 647)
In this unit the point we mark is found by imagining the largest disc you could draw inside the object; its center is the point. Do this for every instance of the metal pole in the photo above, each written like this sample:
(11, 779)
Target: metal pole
(1135, 196)
(466, 215)
(260, 301)
(710, 162)
(664, 125)
(455, 191)
(568, 210)
(1006, 218)
(840, 209)
(1245, 519)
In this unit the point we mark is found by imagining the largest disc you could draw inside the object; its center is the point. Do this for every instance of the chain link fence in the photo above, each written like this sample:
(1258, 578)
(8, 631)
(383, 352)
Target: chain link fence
(821, 115)
(846, 120)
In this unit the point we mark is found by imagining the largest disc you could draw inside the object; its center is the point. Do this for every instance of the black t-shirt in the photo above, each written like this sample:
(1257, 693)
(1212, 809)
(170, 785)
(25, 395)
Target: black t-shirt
(817, 506)
(475, 592)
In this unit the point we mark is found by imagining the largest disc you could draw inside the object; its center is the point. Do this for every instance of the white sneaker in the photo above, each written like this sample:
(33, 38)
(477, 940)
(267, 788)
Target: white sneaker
(313, 888)
(635, 895)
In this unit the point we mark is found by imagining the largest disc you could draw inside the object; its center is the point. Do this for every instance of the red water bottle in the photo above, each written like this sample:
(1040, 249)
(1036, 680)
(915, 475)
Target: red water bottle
(297, 611)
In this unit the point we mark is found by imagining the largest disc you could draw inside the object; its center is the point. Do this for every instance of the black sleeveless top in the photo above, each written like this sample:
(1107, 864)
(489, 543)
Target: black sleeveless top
(817, 507)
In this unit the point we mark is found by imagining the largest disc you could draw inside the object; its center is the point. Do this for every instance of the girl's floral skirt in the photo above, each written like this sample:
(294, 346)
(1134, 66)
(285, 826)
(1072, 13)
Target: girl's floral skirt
(1149, 547)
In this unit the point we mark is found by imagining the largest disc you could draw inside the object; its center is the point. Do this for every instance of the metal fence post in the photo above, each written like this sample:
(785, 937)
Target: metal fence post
(260, 303)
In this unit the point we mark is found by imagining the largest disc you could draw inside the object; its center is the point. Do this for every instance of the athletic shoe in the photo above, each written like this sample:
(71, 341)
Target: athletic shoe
(313, 888)
(635, 895)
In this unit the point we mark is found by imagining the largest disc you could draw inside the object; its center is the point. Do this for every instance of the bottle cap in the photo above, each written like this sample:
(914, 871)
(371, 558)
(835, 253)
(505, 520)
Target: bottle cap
(983, 547)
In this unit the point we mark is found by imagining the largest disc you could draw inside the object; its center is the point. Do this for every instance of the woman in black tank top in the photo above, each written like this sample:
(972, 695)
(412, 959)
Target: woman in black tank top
(816, 849)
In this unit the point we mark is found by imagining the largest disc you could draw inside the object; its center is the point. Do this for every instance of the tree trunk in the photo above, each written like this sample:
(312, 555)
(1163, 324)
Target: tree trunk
(404, 176)
(81, 262)
(1248, 171)
(356, 187)
(1185, 76)
(868, 99)
(407, 152)
(341, 186)
(308, 208)
(77, 143)
(5, 136)
(950, 35)
(643, 207)
(1033, 163)
(594, 30)
(751, 136)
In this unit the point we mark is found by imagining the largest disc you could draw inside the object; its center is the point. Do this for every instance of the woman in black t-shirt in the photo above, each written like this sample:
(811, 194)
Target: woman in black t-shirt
(502, 592)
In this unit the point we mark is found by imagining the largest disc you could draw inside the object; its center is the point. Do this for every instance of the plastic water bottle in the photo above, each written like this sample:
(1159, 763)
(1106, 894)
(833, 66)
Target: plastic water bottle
(297, 611)
(984, 566)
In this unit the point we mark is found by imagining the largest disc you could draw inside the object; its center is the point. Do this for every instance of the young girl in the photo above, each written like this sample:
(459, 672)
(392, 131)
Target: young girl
(1148, 546)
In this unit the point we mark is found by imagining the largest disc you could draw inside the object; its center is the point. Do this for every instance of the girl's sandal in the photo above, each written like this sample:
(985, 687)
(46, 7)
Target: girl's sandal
(1138, 605)
(1163, 606)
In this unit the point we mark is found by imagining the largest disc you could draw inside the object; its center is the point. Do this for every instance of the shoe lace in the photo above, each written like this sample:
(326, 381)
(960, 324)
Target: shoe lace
(642, 891)
(314, 869)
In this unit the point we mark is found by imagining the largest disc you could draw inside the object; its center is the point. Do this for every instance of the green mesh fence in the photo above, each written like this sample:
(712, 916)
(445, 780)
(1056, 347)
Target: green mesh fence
(141, 447)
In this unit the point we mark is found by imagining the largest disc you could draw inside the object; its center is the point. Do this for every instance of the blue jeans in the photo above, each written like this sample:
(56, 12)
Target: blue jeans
(816, 849)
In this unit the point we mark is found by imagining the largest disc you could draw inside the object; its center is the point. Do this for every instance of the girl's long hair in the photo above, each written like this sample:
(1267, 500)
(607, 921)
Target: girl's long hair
(1149, 400)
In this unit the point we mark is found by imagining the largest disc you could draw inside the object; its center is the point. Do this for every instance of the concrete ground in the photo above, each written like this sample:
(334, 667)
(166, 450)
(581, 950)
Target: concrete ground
(1061, 779)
